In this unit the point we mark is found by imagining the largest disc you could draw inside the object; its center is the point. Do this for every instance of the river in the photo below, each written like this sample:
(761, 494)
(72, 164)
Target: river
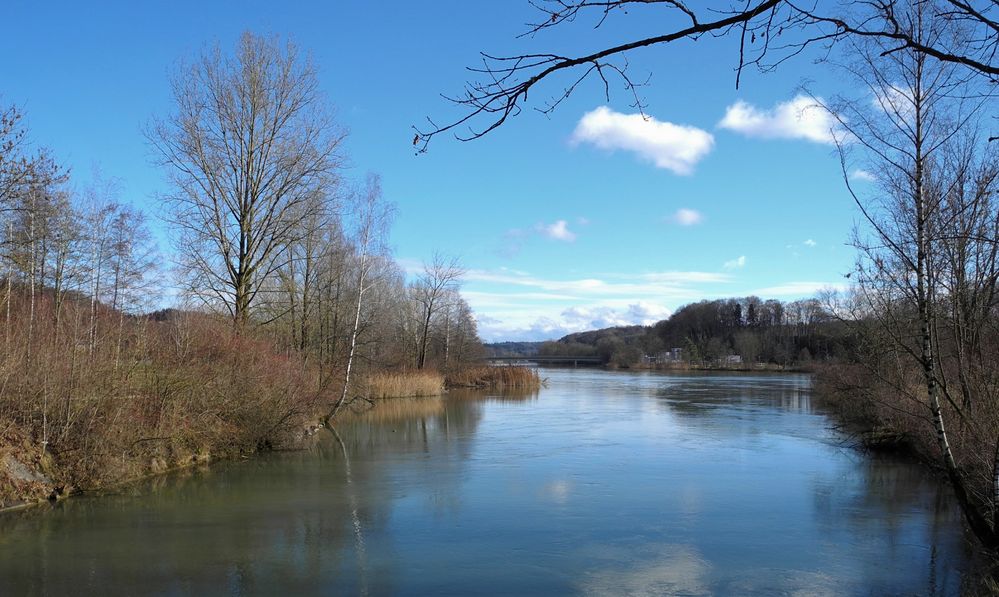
(602, 483)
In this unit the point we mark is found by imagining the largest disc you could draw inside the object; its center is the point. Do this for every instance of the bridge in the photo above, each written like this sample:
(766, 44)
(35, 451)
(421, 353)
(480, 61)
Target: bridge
(547, 360)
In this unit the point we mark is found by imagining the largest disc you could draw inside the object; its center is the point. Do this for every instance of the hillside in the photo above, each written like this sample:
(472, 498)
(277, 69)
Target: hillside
(735, 330)
(624, 333)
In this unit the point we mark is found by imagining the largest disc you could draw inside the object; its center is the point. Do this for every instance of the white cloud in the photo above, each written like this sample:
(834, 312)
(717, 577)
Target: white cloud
(861, 174)
(687, 217)
(673, 147)
(503, 301)
(516, 305)
(798, 289)
(559, 230)
(686, 277)
(597, 317)
(736, 263)
(674, 285)
(897, 103)
(799, 118)
(520, 306)
(809, 243)
(513, 240)
(554, 325)
(409, 265)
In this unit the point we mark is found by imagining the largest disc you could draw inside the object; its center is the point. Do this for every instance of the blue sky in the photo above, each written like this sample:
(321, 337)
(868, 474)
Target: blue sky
(585, 218)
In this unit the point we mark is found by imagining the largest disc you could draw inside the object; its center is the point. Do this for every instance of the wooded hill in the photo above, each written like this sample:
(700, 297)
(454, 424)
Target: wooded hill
(710, 332)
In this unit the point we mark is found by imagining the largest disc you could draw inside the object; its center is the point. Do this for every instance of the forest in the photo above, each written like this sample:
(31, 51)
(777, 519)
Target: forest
(710, 333)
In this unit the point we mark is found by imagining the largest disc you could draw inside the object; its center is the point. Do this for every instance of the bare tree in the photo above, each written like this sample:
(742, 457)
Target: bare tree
(373, 219)
(769, 33)
(101, 205)
(249, 149)
(439, 277)
(930, 213)
(132, 255)
(289, 304)
(13, 163)
(36, 202)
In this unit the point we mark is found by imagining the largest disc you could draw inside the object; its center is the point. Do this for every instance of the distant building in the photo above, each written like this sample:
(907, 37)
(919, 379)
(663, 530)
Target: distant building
(732, 359)
(672, 355)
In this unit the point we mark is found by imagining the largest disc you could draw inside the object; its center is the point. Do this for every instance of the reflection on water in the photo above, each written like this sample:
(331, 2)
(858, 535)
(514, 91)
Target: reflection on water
(602, 483)
(657, 569)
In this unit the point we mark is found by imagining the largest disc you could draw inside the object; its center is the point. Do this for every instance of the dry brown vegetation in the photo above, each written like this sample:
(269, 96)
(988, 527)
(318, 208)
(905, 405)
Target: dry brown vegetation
(90, 407)
(521, 378)
(887, 407)
(404, 384)
(145, 397)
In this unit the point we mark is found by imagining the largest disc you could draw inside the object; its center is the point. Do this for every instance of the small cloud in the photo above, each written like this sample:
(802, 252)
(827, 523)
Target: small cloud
(595, 317)
(583, 221)
(861, 174)
(559, 230)
(515, 239)
(409, 265)
(510, 270)
(809, 243)
(799, 118)
(675, 277)
(687, 217)
(736, 263)
(897, 103)
(512, 242)
(798, 289)
(669, 146)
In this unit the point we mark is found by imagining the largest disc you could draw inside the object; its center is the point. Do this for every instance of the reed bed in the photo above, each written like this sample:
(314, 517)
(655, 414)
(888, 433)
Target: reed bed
(405, 384)
(518, 378)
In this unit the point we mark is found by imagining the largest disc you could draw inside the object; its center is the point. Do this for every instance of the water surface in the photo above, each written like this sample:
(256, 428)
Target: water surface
(602, 483)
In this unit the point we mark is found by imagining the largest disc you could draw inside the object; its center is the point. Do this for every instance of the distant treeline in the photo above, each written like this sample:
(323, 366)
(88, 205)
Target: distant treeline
(512, 349)
(710, 332)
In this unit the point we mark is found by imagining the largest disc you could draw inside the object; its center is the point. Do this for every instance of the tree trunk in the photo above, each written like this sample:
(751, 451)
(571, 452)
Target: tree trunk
(353, 335)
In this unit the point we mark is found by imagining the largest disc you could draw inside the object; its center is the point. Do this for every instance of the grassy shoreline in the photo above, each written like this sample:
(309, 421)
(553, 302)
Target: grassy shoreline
(32, 477)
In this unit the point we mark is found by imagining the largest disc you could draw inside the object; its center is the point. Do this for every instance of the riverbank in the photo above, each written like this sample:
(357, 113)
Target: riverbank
(888, 419)
(868, 418)
(722, 367)
(122, 453)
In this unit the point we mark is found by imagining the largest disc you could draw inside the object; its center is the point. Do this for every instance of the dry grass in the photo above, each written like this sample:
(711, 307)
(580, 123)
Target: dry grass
(519, 378)
(405, 384)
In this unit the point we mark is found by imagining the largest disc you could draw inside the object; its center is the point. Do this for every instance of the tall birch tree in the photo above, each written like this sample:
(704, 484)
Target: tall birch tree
(929, 207)
(373, 219)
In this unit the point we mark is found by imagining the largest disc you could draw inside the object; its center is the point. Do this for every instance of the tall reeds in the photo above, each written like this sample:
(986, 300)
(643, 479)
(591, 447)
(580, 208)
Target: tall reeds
(519, 378)
(404, 384)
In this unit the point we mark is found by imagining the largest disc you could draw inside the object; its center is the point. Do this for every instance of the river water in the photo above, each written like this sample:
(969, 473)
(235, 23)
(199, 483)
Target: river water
(602, 483)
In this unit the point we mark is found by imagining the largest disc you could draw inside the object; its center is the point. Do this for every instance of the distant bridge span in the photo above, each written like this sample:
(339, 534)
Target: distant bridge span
(548, 360)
